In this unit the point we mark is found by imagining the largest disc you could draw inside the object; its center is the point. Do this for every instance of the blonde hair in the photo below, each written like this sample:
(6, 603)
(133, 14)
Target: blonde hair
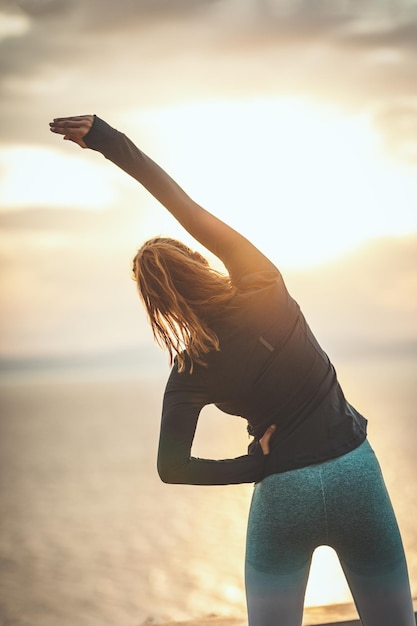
(181, 293)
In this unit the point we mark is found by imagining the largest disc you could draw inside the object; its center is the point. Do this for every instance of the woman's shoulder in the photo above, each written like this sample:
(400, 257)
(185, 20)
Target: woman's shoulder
(262, 298)
(262, 280)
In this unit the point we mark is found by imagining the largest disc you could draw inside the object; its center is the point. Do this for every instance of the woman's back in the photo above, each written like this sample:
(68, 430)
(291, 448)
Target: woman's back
(270, 370)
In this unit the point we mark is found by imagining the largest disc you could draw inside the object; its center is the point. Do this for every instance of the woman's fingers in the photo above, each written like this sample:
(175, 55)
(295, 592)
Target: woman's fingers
(73, 128)
(73, 121)
(73, 118)
(76, 124)
(264, 441)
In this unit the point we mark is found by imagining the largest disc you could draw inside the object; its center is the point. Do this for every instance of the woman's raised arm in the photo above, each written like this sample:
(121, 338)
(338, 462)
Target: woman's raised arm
(237, 253)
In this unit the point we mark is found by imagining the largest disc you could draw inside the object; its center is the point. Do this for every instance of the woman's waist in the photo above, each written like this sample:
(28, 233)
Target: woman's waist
(318, 443)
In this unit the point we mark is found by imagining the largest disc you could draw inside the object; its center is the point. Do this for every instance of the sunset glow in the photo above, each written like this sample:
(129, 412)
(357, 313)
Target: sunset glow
(295, 122)
(305, 181)
(37, 177)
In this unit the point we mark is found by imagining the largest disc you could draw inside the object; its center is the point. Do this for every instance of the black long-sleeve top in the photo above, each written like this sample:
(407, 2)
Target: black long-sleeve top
(270, 369)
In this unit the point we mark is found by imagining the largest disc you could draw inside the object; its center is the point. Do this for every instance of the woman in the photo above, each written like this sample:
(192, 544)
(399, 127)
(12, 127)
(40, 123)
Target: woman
(241, 342)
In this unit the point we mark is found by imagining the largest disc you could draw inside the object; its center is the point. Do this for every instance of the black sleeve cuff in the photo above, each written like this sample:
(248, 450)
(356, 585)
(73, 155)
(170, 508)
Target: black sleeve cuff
(100, 135)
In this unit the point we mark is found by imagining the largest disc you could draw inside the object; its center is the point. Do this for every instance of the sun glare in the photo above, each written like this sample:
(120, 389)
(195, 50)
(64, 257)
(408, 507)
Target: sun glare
(305, 182)
(13, 24)
(38, 177)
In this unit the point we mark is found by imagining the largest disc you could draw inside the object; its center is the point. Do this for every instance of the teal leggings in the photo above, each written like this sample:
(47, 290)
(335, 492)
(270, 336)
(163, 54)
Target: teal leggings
(342, 503)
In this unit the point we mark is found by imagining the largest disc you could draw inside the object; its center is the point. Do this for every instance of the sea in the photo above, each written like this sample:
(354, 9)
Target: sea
(89, 535)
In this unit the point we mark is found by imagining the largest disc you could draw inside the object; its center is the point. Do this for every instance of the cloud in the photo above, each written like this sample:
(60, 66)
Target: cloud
(107, 57)
(44, 8)
(72, 293)
(365, 302)
(67, 26)
(398, 123)
(68, 292)
(98, 10)
(53, 178)
(295, 17)
(397, 30)
(49, 219)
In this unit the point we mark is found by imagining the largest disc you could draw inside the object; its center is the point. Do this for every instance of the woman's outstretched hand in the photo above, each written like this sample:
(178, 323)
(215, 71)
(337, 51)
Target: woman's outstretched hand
(264, 441)
(73, 128)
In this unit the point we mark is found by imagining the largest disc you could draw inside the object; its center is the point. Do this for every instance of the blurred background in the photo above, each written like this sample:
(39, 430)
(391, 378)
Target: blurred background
(296, 122)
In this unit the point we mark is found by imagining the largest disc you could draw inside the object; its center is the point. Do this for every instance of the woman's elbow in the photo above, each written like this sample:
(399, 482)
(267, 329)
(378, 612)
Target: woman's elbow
(169, 474)
(165, 476)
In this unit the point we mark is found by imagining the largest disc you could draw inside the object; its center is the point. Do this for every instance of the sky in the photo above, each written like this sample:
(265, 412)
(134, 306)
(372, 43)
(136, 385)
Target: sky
(296, 122)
